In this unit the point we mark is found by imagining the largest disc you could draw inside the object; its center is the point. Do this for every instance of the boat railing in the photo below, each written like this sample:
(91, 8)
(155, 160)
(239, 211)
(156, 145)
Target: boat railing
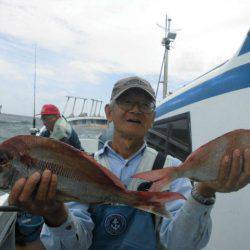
(88, 107)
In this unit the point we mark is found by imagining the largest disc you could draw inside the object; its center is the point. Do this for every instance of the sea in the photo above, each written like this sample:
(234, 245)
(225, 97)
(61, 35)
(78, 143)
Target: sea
(11, 125)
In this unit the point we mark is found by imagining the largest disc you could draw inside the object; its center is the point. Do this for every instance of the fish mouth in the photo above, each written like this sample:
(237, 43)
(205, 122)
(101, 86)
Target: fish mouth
(5, 157)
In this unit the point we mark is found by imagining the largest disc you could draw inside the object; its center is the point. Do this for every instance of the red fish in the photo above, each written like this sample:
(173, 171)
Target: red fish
(201, 165)
(80, 177)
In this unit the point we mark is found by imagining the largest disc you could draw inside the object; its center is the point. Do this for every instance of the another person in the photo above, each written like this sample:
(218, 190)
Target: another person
(57, 127)
(114, 226)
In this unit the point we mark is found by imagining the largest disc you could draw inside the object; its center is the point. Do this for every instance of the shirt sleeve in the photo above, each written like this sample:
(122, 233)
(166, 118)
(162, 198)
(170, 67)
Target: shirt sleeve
(75, 233)
(190, 226)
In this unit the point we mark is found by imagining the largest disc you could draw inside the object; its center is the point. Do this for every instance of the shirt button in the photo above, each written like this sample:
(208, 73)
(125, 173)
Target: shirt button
(69, 227)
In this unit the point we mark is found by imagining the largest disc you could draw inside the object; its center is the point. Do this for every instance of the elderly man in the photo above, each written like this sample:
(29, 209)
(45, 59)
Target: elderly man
(55, 126)
(116, 226)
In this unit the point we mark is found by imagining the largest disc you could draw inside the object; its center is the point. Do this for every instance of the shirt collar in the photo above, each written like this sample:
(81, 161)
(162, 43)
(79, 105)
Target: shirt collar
(107, 148)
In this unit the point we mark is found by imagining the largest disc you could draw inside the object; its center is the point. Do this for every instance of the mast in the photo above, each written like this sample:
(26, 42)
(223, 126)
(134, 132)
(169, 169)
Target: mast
(166, 42)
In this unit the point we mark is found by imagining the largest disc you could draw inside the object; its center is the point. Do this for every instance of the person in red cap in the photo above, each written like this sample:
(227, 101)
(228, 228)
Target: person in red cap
(56, 126)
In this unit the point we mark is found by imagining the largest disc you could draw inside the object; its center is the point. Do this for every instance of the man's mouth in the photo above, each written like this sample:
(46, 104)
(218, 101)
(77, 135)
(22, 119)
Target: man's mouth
(136, 121)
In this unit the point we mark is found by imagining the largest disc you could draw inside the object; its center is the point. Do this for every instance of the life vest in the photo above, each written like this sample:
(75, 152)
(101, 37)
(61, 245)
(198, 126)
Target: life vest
(121, 226)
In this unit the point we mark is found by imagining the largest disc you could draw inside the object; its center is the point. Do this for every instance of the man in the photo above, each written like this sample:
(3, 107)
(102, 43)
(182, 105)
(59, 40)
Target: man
(114, 226)
(57, 127)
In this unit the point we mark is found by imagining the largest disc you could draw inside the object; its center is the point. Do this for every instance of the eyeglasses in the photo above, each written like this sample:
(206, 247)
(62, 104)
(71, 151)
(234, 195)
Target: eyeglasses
(144, 107)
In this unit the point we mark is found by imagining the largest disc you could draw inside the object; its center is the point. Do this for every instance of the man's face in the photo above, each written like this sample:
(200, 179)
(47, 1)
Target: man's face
(132, 113)
(49, 121)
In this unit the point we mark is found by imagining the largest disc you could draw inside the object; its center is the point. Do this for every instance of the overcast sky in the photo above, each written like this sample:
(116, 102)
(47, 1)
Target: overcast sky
(84, 47)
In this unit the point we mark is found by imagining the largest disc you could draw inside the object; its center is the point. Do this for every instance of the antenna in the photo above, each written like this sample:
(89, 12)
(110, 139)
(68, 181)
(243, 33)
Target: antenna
(166, 42)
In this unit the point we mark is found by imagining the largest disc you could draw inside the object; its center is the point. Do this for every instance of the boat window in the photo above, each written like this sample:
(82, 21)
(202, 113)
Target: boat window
(172, 136)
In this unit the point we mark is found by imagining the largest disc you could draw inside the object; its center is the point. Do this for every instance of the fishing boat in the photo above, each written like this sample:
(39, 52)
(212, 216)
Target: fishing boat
(89, 123)
(211, 105)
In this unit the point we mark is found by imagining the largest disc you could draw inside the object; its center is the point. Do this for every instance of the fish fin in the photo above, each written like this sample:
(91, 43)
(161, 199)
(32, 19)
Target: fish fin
(106, 171)
(65, 197)
(155, 201)
(161, 178)
(160, 185)
(157, 210)
(155, 175)
(113, 177)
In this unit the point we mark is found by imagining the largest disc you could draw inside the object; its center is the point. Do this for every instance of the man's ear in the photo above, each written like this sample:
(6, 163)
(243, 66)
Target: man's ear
(108, 112)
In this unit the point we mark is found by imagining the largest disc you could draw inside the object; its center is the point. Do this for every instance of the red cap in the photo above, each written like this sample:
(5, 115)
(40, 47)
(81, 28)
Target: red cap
(49, 109)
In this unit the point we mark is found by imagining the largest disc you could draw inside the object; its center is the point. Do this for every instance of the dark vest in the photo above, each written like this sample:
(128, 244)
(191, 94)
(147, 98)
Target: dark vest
(121, 227)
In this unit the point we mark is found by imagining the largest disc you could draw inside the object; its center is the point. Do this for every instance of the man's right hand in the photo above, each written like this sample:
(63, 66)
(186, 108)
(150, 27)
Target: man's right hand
(43, 203)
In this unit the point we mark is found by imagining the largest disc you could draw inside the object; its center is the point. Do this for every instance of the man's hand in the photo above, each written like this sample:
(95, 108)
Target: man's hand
(234, 174)
(43, 203)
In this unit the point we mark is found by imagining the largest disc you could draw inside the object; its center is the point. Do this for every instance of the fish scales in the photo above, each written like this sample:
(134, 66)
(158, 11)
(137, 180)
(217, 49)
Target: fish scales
(80, 177)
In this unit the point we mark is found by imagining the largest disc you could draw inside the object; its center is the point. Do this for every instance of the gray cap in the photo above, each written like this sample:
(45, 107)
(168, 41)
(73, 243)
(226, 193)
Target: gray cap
(132, 82)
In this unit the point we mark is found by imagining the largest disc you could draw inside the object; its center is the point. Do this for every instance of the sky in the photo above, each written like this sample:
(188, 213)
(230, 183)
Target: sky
(84, 47)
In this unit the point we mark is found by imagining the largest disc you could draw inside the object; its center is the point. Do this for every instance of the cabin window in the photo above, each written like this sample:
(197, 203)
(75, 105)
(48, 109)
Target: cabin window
(172, 136)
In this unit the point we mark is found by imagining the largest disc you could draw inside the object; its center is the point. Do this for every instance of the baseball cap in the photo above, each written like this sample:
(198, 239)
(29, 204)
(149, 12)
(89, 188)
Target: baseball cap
(132, 82)
(49, 109)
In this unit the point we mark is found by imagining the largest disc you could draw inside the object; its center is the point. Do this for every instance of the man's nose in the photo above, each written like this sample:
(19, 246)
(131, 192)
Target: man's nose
(136, 107)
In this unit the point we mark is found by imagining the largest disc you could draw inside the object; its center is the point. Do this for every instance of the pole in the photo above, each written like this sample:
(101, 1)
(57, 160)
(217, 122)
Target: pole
(99, 114)
(34, 95)
(90, 114)
(65, 107)
(73, 110)
(84, 100)
(165, 81)
(165, 75)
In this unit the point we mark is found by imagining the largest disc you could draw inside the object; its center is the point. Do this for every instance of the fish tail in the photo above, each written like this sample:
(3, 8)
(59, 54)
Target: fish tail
(157, 210)
(154, 202)
(161, 178)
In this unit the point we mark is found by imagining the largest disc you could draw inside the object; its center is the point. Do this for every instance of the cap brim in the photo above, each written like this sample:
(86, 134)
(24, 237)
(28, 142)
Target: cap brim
(133, 87)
